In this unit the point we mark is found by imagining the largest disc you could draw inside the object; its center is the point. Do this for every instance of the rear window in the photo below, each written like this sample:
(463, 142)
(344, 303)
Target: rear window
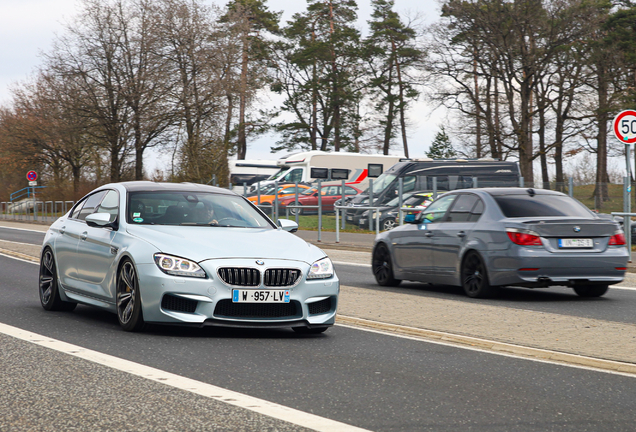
(541, 205)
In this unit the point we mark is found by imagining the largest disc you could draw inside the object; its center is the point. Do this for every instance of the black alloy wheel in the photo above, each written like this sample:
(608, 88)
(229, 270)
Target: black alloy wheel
(475, 277)
(48, 288)
(129, 312)
(382, 266)
(590, 290)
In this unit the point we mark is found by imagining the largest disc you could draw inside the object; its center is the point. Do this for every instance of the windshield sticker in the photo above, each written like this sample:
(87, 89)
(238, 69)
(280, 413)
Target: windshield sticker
(138, 219)
(136, 215)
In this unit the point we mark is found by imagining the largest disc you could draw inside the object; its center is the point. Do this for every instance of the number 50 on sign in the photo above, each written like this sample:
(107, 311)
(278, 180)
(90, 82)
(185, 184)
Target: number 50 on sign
(625, 126)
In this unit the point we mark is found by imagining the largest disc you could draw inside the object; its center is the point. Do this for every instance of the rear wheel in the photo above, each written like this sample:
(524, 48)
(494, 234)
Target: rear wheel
(129, 313)
(591, 290)
(48, 288)
(307, 330)
(382, 266)
(475, 277)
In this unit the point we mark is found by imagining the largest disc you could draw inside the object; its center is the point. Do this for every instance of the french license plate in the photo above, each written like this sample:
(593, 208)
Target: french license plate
(362, 222)
(576, 243)
(349, 218)
(260, 296)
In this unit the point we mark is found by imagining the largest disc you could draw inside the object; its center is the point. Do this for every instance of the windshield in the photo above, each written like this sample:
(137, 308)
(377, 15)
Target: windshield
(278, 174)
(192, 208)
(382, 183)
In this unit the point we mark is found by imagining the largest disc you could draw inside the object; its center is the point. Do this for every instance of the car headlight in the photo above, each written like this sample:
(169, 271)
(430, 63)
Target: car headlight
(177, 266)
(321, 269)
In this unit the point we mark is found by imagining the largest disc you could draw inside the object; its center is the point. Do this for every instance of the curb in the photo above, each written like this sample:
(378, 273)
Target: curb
(518, 350)
(19, 255)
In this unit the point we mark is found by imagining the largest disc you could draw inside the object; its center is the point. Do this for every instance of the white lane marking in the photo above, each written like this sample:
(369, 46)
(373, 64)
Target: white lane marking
(23, 229)
(260, 406)
(482, 350)
(20, 243)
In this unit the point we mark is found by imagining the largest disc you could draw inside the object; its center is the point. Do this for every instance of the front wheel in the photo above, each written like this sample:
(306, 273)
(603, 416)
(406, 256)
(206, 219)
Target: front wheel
(382, 266)
(48, 288)
(296, 211)
(590, 290)
(475, 277)
(129, 313)
(387, 224)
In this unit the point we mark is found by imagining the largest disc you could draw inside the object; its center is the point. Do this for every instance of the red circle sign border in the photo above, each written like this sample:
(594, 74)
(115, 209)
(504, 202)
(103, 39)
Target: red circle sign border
(32, 176)
(617, 120)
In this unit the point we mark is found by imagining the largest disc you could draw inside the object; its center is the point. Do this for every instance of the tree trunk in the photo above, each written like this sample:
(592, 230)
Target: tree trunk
(601, 192)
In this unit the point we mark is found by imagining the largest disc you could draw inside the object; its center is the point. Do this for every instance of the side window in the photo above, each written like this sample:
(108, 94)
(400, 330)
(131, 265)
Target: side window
(91, 204)
(77, 209)
(110, 205)
(460, 212)
(475, 214)
(293, 176)
(408, 183)
(350, 191)
(436, 211)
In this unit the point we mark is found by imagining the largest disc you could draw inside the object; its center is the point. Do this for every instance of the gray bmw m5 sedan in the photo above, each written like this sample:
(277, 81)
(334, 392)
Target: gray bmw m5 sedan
(185, 254)
(481, 239)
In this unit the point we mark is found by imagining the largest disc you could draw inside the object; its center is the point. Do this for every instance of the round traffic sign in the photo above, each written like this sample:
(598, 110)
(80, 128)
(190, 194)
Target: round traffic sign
(625, 126)
(32, 176)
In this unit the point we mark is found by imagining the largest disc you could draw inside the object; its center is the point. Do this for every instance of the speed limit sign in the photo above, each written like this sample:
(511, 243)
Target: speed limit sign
(625, 126)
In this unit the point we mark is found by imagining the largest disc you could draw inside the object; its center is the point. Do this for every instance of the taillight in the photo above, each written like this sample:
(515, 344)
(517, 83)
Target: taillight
(524, 238)
(617, 239)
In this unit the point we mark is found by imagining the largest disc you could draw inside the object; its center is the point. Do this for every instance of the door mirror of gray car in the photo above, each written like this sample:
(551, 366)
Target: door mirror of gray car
(288, 225)
(99, 220)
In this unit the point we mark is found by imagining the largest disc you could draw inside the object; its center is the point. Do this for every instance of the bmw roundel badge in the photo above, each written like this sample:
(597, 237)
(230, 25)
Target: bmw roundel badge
(260, 262)
(577, 229)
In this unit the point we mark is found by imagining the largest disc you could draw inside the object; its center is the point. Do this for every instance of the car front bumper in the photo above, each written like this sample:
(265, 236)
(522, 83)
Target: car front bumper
(186, 300)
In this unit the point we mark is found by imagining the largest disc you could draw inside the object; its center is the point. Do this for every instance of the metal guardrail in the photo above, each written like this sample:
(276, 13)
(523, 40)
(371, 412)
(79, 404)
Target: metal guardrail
(34, 210)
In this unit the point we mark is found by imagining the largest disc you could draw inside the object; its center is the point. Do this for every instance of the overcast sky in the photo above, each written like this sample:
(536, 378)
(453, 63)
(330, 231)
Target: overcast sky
(27, 27)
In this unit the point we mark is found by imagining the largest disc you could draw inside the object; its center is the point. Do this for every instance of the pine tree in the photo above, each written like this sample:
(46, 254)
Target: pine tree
(441, 148)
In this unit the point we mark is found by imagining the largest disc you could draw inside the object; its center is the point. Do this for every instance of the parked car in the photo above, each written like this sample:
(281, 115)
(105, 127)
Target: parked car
(330, 194)
(389, 214)
(185, 254)
(482, 239)
(268, 196)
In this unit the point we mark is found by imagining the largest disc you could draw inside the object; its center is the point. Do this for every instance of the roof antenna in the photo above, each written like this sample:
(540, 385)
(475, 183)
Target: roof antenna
(531, 192)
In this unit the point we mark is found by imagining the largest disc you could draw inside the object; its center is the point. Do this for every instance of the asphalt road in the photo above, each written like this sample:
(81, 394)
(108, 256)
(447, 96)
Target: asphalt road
(374, 381)
(21, 235)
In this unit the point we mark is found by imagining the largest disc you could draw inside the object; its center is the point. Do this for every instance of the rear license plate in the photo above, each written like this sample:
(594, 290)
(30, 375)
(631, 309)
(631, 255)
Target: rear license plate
(362, 222)
(349, 218)
(260, 296)
(576, 243)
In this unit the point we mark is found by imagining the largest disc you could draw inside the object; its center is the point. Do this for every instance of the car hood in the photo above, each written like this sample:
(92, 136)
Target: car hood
(200, 243)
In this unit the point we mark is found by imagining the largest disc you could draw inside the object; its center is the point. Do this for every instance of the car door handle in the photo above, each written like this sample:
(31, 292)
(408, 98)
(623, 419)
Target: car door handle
(429, 234)
(461, 234)
(84, 235)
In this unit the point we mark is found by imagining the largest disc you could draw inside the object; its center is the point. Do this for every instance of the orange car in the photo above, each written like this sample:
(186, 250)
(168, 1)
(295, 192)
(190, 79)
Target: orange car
(284, 191)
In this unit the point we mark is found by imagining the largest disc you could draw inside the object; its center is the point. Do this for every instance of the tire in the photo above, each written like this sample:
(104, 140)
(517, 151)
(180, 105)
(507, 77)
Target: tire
(129, 313)
(383, 267)
(475, 277)
(387, 224)
(590, 290)
(307, 330)
(47, 286)
(293, 211)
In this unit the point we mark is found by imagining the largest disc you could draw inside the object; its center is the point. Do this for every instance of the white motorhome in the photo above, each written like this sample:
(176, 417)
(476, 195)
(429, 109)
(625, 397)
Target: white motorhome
(250, 171)
(297, 167)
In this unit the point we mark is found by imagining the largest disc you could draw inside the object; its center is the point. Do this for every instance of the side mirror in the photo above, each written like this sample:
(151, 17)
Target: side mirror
(288, 225)
(99, 220)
